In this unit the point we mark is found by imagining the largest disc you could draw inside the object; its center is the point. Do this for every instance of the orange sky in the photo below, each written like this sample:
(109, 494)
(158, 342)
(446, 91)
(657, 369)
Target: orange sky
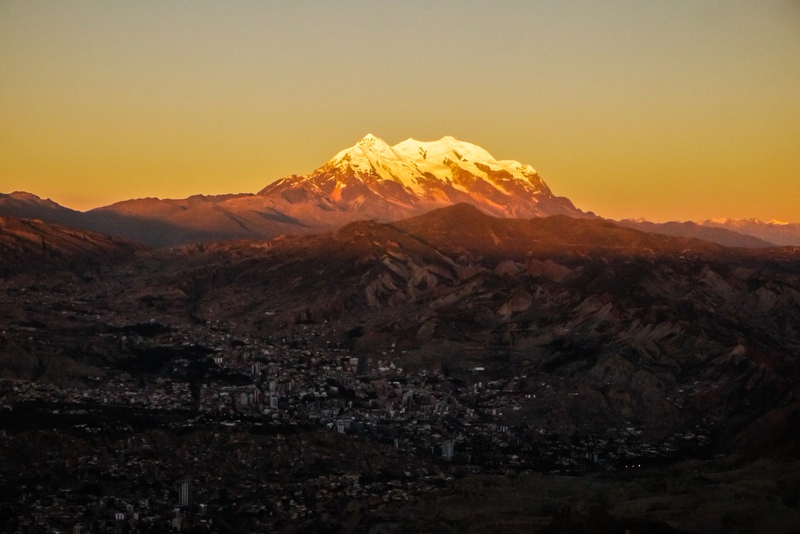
(675, 110)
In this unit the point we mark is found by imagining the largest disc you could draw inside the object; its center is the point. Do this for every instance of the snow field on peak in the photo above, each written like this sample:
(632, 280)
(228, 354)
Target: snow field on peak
(408, 162)
(374, 155)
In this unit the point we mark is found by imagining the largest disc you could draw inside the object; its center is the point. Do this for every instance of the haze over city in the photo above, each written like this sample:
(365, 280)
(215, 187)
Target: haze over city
(668, 111)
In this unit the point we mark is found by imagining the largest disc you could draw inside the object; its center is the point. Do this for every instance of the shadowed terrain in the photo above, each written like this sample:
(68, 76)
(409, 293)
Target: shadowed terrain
(659, 357)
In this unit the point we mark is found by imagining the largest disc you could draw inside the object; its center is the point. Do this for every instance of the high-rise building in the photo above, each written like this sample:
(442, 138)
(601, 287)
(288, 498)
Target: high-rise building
(185, 494)
(447, 450)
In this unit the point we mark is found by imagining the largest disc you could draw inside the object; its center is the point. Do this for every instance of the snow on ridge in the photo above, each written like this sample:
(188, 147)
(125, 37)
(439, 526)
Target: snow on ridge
(743, 222)
(411, 162)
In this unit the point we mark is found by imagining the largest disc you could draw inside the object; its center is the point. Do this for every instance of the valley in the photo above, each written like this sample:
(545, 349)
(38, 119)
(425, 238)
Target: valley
(386, 374)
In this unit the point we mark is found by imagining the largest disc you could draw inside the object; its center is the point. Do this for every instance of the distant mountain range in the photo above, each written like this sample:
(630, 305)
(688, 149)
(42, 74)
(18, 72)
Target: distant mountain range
(370, 180)
(720, 235)
(779, 233)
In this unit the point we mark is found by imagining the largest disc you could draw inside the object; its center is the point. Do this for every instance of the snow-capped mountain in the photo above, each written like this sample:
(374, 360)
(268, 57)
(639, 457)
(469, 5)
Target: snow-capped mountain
(778, 232)
(378, 181)
(370, 180)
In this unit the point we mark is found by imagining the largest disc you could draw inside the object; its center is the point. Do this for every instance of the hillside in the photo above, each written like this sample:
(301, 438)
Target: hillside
(34, 246)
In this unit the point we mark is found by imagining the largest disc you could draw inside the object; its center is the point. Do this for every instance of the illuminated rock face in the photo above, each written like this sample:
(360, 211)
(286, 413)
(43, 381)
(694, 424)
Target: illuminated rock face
(377, 181)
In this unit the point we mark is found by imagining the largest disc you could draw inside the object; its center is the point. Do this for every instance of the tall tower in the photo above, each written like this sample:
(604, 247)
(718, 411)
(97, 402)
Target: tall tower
(185, 496)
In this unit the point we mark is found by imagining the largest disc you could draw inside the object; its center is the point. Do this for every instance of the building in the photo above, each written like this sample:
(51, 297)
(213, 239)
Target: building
(447, 450)
(185, 494)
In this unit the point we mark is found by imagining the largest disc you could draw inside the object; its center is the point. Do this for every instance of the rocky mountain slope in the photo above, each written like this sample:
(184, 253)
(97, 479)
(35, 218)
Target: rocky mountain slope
(153, 222)
(29, 206)
(200, 218)
(389, 183)
(665, 333)
(31, 245)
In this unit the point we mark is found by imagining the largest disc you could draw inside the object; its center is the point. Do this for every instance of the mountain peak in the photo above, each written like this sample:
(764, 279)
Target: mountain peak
(369, 140)
(19, 204)
(23, 195)
(365, 145)
(386, 182)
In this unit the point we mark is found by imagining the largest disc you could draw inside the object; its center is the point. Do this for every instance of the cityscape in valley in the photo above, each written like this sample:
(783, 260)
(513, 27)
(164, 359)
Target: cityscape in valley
(496, 360)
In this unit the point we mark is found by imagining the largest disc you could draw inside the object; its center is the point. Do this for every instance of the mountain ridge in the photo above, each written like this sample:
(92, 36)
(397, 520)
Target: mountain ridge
(778, 232)
(28, 245)
(384, 182)
(721, 235)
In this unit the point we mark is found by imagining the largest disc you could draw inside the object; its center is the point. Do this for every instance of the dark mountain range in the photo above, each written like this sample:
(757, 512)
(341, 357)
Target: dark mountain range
(147, 224)
(780, 233)
(200, 219)
(721, 235)
(28, 206)
(465, 228)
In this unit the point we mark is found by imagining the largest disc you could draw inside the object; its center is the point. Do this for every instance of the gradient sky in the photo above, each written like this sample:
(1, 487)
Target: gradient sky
(667, 110)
